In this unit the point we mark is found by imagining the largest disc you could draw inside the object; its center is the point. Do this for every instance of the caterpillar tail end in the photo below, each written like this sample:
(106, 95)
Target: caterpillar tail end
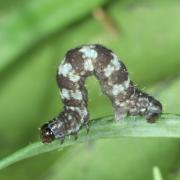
(154, 111)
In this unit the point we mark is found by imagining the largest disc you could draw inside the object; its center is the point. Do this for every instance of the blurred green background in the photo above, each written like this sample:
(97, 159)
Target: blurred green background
(34, 36)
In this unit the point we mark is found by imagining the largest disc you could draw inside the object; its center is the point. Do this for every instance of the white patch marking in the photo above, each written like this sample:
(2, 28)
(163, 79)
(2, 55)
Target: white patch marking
(58, 125)
(117, 102)
(64, 69)
(88, 52)
(67, 71)
(113, 66)
(108, 70)
(115, 62)
(71, 107)
(110, 83)
(65, 94)
(153, 108)
(74, 77)
(117, 88)
(88, 66)
(121, 104)
(82, 111)
(126, 83)
(69, 117)
(77, 95)
(143, 110)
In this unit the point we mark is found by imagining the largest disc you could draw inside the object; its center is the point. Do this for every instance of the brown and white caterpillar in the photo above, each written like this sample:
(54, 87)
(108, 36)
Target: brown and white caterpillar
(97, 60)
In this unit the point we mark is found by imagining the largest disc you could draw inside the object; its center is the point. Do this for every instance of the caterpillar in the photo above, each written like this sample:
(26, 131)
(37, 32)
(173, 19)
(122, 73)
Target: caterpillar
(97, 60)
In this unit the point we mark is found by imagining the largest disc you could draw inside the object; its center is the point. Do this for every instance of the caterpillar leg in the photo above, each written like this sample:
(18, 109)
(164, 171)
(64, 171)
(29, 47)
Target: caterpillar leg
(75, 135)
(86, 125)
(120, 113)
(62, 140)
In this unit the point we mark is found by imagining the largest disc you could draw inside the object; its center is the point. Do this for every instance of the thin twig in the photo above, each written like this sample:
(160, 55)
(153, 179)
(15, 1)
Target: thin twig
(106, 21)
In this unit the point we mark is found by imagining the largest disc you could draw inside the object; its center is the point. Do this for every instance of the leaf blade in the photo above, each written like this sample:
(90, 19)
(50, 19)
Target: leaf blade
(167, 126)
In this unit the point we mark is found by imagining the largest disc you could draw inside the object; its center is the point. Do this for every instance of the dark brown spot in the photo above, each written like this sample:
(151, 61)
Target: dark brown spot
(118, 77)
(46, 134)
(103, 59)
(153, 117)
(130, 89)
(65, 82)
(74, 57)
(73, 102)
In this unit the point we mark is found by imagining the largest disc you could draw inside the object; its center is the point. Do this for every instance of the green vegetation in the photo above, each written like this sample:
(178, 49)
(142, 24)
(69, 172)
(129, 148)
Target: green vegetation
(34, 36)
(167, 126)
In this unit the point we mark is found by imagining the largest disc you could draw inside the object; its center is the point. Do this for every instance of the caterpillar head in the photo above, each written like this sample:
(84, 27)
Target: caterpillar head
(154, 110)
(46, 134)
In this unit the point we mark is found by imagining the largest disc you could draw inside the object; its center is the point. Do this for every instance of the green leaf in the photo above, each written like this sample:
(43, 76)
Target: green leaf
(156, 173)
(167, 126)
(176, 175)
(148, 35)
(26, 25)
